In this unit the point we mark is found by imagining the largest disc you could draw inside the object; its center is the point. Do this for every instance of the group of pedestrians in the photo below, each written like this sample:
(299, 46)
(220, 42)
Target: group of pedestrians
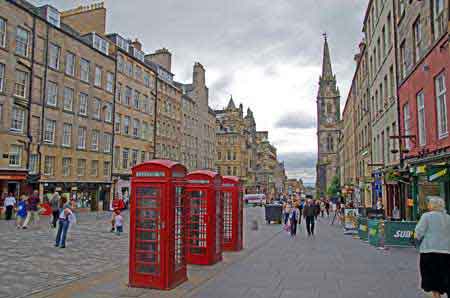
(26, 208)
(310, 210)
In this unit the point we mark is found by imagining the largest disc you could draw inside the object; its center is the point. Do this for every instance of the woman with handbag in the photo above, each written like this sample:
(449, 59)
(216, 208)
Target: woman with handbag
(433, 231)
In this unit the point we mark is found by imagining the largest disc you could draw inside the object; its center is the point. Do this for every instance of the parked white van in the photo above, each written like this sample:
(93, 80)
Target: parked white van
(256, 199)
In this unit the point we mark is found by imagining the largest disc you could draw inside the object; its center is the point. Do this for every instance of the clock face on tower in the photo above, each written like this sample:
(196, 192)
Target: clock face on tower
(329, 119)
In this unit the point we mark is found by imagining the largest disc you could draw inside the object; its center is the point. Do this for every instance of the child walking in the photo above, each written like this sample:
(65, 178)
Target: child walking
(118, 222)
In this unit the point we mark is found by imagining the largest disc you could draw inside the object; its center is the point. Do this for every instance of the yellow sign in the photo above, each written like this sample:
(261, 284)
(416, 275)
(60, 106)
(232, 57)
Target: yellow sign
(421, 169)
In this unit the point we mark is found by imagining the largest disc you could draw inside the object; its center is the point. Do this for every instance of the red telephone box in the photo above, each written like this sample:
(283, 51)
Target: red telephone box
(157, 225)
(205, 210)
(232, 214)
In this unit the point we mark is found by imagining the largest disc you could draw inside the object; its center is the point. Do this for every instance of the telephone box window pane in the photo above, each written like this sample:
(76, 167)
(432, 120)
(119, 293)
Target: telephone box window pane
(147, 269)
(148, 203)
(147, 235)
(149, 224)
(147, 257)
(227, 217)
(152, 247)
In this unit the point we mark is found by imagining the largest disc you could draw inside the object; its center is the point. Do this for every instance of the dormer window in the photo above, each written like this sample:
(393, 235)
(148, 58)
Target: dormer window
(53, 16)
(100, 44)
(140, 55)
(122, 43)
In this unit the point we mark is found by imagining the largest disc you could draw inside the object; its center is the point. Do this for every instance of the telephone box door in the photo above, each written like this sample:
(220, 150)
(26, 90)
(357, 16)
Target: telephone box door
(218, 226)
(150, 231)
(228, 230)
(197, 226)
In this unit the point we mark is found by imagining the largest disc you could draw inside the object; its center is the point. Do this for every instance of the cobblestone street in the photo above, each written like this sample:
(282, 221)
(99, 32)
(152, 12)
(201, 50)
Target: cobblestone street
(94, 264)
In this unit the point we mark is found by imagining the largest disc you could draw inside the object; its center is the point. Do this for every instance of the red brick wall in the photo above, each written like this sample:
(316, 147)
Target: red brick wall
(422, 79)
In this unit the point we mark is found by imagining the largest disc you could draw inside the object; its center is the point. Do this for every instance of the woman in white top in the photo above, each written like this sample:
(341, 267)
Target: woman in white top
(433, 230)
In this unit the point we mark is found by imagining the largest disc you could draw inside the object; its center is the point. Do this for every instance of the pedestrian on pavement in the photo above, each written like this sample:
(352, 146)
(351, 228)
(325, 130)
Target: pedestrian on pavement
(293, 218)
(396, 214)
(65, 219)
(286, 212)
(32, 209)
(322, 208)
(317, 209)
(327, 207)
(309, 213)
(10, 202)
(337, 213)
(54, 203)
(301, 206)
(118, 222)
(433, 230)
(21, 214)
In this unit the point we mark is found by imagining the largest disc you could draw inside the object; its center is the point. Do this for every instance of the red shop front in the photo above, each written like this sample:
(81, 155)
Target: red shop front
(232, 214)
(204, 222)
(157, 227)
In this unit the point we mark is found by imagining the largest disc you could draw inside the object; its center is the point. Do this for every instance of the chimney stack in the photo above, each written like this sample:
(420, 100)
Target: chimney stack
(137, 44)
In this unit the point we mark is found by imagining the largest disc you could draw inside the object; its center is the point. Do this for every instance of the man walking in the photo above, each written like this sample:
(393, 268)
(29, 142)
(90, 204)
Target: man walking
(32, 214)
(10, 201)
(293, 217)
(327, 207)
(309, 212)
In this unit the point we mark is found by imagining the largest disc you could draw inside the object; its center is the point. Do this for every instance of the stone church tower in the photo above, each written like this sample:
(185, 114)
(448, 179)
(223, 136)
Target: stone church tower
(328, 125)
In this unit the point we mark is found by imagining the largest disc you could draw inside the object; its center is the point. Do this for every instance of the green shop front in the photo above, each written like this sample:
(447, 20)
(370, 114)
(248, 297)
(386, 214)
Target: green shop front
(428, 179)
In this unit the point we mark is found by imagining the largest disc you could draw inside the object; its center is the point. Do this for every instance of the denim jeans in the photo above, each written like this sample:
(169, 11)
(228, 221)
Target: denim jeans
(62, 232)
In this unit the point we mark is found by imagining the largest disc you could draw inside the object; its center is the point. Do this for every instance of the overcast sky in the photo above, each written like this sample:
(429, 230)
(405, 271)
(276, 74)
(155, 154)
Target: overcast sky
(266, 53)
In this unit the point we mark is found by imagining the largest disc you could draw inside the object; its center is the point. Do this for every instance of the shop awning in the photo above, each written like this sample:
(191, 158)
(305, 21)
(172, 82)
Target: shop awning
(13, 176)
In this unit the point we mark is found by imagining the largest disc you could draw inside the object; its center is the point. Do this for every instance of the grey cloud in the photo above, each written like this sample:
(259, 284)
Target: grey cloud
(300, 165)
(296, 120)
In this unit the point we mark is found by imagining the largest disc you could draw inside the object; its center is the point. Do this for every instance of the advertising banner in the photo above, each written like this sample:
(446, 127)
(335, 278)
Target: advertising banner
(374, 232)
(363, 228)
(399, 233)
(351, 221)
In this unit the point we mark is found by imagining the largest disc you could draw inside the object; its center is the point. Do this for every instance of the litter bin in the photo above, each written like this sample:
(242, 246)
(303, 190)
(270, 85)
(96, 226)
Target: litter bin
(273, 213)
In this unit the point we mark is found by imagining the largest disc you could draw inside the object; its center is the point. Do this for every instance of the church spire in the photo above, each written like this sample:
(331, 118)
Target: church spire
(327, 71)
(231, 104)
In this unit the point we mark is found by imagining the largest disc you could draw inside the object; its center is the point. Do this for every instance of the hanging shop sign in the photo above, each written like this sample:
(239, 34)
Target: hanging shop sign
(437, 175)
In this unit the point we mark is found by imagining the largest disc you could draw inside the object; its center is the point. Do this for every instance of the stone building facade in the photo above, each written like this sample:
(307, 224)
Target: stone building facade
(329, 125)
(379, 35)
(62, 101)
(247, 153)
(363, 130)
(80, 107)
(232, 142)
(348, 125)
(204, 122)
